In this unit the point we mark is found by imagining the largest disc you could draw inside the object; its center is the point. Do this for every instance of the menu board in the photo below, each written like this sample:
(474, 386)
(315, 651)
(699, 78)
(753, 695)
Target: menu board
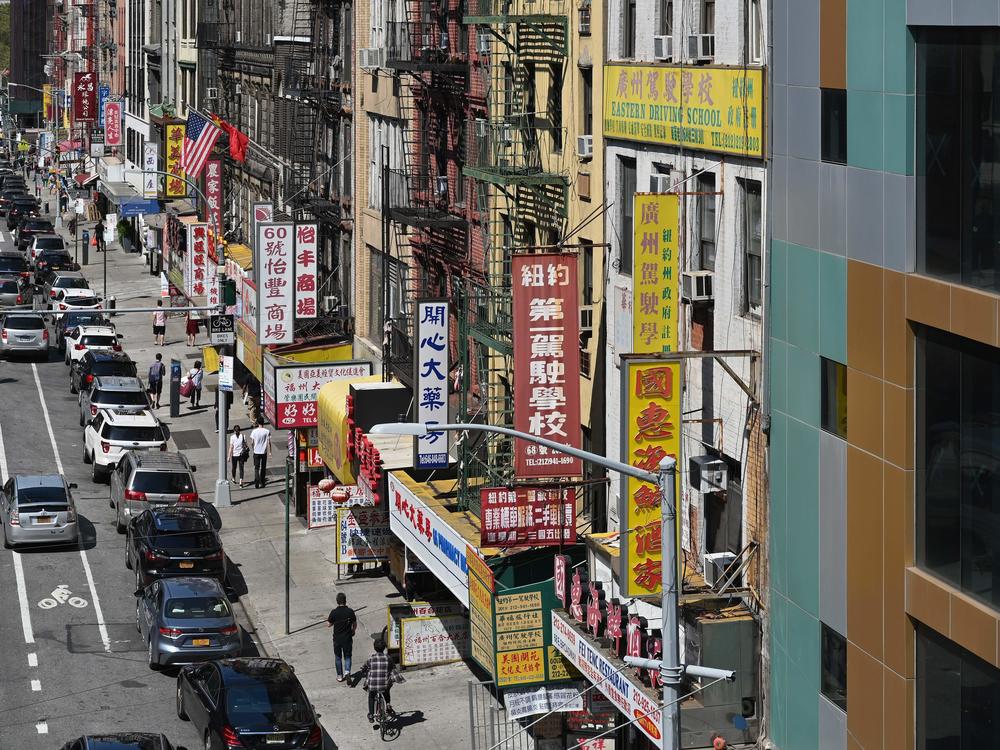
(433, 640)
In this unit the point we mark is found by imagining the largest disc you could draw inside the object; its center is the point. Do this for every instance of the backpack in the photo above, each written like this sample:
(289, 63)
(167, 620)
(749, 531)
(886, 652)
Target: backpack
(155, 372)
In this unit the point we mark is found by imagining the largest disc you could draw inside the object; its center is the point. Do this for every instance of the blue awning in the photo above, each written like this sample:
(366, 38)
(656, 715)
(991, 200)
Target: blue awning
(138, 206)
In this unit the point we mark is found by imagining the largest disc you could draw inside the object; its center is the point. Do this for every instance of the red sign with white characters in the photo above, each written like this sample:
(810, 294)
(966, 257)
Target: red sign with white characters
(85, 97)
(113, 122)
(213, 195)
(305, 270)
(291, 391)
(546, 363)
(275, 266)
(527, 516)
(197, 277)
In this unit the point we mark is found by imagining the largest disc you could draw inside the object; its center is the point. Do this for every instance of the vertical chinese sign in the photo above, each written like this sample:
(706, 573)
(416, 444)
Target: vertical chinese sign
(656, 294)
(546, 363)
(103, 94)
(176, 187)
(275, 266)
(85, 97)
(196, 278)
(47, 101)
(651, 431)
(150, 165)
(431, 380)
(213, 193)
(306, 250)
(113, 122)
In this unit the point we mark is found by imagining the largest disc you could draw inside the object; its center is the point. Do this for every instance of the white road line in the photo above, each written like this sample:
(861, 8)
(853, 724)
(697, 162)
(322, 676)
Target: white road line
(32, 660)
(101, 625)
(42, 728)
(22, 589)
(36, 686)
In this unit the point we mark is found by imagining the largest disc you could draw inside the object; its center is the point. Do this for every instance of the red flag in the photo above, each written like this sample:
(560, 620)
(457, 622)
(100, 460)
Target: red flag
(237, 141)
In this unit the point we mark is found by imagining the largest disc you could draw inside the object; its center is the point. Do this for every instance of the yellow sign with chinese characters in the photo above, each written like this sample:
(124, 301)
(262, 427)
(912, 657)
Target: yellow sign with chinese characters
(655, 274)
(47, 100)
(176, 187)
(651, 403)
(697, 107)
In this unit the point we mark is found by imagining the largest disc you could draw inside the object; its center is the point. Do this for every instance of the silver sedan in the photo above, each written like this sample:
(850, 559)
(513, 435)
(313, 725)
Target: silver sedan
(38, 509)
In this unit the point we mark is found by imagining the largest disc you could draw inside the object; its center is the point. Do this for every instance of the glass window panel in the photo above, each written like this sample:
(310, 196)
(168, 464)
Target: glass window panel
(627, 167)
(833, 122)
(833, 392)
(833, 667)
(706, 220)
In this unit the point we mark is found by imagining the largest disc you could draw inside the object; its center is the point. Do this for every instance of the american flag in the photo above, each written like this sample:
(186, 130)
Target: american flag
(199, 137)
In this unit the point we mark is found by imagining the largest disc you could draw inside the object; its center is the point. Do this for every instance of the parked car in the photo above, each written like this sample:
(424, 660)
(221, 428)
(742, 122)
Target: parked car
(7, 197)
(121, 741)
(185, 620)
(248, 702)
(90, 338)
(72, 319)
(73, 299)
(42, 242)
(51, 261)
(143, 480)
(38, 510)
(62, 280)
(95, 363)
(114, 431)
(111, 392)
(23, 333)
(13, 292)
(19, 207)
(28, 227)
(173, 541)
(14, 264)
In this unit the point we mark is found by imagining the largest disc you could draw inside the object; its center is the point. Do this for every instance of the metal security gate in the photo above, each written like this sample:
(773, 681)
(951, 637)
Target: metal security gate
(490, 727)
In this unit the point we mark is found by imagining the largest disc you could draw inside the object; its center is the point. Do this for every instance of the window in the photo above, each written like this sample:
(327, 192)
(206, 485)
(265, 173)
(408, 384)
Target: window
(378, 12)
(628, 33)
(667, 17)
(376, 293)
(833, 666)
(708, 17)
(958, 196)
(833, 390)
(626, 171)
(957, 478)
(384, 132)
(555, 105)
(587, 275)
(587, 83)
(751, 246)
(347, 181)
(958, 695)
(833, 121)
(756, 32)
(706, 220)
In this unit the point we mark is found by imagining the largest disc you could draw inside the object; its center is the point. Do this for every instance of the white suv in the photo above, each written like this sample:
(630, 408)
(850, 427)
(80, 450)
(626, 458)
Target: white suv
(82, 339)
(67, 299)
(114, 431)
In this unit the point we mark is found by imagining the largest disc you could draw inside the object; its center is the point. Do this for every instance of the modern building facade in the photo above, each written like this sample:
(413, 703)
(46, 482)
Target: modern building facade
(28, 42)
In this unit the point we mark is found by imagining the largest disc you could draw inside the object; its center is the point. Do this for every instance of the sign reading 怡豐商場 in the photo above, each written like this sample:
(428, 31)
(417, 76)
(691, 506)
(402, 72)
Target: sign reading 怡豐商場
(275, 268)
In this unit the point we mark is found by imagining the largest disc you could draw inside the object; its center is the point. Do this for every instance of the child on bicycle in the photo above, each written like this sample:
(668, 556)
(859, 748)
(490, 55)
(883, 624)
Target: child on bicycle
(380, 672)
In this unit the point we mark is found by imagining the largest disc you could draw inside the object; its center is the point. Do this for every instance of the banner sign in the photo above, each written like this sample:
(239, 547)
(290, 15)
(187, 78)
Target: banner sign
(112, 116)
(651, 431)
(481, 589)
(291, 391)
(226, 373)
(521, 702)
(657, 274)
(85, 97)
(275, 266)
(546, 363)
(699, 107)
(527, 516)
(306, 265)
(150, 164)
(363, 535)
(213, 193)
(397, 612)
(261, 213)
(196, 270)
(431, 379)
(176, 188)
(103, 94)
(323, 505)
(433, 640)
(248, 304)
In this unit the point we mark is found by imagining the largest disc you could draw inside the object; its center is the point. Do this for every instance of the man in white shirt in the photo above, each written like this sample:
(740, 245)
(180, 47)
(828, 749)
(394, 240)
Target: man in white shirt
(260, 440)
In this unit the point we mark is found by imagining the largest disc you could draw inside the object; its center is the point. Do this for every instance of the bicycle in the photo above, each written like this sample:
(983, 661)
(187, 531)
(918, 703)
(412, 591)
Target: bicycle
(387, 721)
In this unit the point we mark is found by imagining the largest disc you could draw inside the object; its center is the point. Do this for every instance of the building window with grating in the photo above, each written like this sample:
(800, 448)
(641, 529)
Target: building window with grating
(706, 221)
(833, 395)
(626, 228)
(751, 234)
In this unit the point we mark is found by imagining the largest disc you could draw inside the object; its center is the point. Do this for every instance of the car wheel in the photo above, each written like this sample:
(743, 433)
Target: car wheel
(111, 498)
(86, 456)
(137, 628)
(6, 544)
(181, 713)
(72, 385)
(208, 741)
(66, 359)
(98, 474)
(119, 525)
(151, 657)
(128, 558)
(139, 583)
(81, 419)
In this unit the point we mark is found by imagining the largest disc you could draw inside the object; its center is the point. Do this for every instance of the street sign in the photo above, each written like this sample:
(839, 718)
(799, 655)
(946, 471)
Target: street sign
(222, 329)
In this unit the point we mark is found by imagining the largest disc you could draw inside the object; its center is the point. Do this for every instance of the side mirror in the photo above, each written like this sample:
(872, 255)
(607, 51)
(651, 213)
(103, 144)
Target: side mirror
(139, 592)
(194, 469)
(121, 335)
(73, 485)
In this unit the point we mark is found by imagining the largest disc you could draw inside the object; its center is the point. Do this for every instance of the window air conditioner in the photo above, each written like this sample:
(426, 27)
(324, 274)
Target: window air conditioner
(659, 183)
(211, 93)
(508, 133)
(707, 473)
(696, 286)
(701, 46)
(331, 303)
(443, 41)
(482, 128)
(238, 89)
(369, 58)
(441, 186)
(483, 43)
(663, 47)
(586, 319)
(585, 146)
(715, 564)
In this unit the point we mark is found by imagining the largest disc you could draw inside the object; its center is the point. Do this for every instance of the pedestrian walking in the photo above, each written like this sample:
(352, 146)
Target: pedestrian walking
(197, 377)
(156, 372)
(260, 440)
(63, 201)
(191, 329)
(344, 622)
(99, 236)
(239, 451)
(159, 323)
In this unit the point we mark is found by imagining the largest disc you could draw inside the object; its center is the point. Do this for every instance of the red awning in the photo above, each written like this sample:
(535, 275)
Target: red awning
(85, 178)
(65, 146)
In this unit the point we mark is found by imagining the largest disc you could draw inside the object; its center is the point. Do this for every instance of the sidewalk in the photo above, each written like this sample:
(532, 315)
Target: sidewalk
(433, 702)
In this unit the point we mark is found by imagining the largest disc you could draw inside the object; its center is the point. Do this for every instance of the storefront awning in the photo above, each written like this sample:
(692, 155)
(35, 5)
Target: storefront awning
(240, 254)
(65, 146)
(138, 206)
(85, 179)
(333, 426)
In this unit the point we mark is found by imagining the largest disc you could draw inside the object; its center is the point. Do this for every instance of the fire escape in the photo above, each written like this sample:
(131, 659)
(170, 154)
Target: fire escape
(295, 116)
(522, 198)
(425, 216)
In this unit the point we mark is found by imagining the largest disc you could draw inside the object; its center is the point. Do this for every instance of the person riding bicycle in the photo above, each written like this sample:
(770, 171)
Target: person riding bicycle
(380, 672)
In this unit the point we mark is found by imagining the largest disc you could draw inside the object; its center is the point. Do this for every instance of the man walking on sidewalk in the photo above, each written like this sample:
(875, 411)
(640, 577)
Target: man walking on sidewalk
(260, 438)
(159, 323)
(156, 373)
(344, 622)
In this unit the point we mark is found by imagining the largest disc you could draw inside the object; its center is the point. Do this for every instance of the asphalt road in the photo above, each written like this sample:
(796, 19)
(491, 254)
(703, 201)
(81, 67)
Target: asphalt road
(77, 667)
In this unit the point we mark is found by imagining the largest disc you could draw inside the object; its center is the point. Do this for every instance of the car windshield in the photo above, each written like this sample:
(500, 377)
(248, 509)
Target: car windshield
(24, 323)
(8, 286)
(71, 282)
(50, 257)
(133, 434)
(13, 264)
(268, 703)
(114, 367)
(106, 341)
(197, 607)
(162, 482)
(123, 398)
(50, 243)
(37, 226)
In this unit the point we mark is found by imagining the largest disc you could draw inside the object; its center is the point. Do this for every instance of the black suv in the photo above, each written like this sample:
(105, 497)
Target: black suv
(25, 206)
(173, 541)
(14, 264)
(29, 227)
(50, 261)
(95, 363)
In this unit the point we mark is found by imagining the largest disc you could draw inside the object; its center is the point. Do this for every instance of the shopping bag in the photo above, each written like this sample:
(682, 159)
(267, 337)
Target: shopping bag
(187, 387)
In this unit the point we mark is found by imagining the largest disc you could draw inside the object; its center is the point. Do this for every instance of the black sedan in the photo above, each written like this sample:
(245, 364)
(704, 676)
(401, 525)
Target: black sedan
(120, 741)
(20, 207)
(252, 703)
(94, 363)
(173, 541)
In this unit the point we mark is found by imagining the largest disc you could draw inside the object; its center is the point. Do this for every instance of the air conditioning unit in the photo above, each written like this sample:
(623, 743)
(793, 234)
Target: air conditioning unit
(331, 303)
(659, 183)
(707, 473)
(443, 41)
(441, 186)
(482, 128)
(267, 40)
(238, 89)
(585, 146)
(211, 92)
(586, 319)
(701, 46)
(663, 47)
(696, 286)
(483, 43)
(507, 136)
(715, 564)
(370, 58)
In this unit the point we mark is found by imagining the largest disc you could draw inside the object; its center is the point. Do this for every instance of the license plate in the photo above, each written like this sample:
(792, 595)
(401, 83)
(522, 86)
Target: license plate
(44, 520)
(187, 564)
(274, 739)
(200, 642)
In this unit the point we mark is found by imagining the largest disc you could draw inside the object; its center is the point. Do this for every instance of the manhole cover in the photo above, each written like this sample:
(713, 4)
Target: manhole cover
(187, 440)
(86, 639)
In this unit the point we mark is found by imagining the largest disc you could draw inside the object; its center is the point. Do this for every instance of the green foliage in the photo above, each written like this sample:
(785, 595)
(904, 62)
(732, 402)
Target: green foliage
(4, 36)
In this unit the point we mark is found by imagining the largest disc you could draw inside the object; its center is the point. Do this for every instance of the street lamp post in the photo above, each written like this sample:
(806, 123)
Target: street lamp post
(670, 667)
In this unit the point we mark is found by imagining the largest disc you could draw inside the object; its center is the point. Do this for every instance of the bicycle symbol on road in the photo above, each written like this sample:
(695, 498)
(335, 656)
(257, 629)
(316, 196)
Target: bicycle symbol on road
(62, 595)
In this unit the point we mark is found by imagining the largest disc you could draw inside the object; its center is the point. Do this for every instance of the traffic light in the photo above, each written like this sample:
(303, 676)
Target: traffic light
(229, 292)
